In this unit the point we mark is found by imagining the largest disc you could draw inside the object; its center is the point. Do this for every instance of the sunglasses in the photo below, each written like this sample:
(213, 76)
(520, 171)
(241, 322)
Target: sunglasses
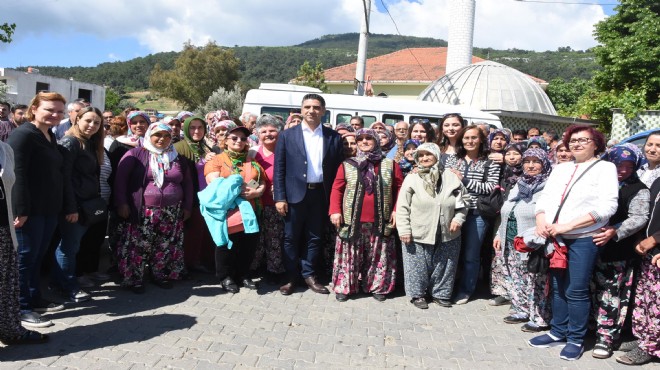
(237, 138)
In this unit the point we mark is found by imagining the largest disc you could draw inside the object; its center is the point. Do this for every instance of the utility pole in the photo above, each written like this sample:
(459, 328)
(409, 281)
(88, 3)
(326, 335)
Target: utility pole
(362, 50)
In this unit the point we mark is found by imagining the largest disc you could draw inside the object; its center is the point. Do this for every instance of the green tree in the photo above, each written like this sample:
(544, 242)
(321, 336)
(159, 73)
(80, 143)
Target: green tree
(312, 76)
(112, 99)
(565, 94)
(6, 31)
(3, 91)
(197, 73)
(629, 52)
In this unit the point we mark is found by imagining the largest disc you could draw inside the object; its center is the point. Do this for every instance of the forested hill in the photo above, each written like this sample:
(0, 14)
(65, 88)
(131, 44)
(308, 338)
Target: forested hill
(280, 64)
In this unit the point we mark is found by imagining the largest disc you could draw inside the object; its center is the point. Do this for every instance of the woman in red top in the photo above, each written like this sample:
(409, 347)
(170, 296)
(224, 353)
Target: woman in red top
(362, 209)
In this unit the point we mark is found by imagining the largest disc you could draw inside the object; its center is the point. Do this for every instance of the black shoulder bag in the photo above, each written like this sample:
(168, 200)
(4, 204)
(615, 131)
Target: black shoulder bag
(490, 205)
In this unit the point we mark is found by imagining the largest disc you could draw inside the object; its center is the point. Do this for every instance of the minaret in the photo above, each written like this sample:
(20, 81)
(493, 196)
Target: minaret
(461, 33)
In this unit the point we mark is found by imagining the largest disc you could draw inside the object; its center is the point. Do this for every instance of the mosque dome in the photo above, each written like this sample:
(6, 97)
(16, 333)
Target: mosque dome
(490, 86)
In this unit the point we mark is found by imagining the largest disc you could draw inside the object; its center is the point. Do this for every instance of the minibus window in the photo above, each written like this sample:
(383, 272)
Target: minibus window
(392, 119)
(413, 119)
(343, 118)
(368, 120)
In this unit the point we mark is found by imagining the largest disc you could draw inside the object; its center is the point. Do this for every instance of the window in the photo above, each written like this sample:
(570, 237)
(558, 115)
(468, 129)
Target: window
(85, 94)
(368, 120)
(285, 112)
(392, 119)
(42, 86)
(343, 118)
(430, 119)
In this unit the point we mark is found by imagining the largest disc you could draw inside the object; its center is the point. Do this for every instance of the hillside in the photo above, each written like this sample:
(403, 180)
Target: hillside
(279, 64)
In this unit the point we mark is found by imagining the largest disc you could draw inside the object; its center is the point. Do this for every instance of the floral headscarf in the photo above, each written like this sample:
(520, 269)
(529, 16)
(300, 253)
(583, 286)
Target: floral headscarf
(528, 185)
(365, 161)
(160, 160)
(538, 140)
(429, 175)
(183, 115)
(404, 163)
(391, 142)
(626, 153)
(499, 131)
(130, 138)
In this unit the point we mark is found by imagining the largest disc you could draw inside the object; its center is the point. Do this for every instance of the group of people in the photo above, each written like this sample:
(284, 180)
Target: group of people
(563, 228)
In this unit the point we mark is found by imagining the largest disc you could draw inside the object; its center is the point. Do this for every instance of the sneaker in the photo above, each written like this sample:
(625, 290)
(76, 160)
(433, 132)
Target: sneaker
(99, 276)
(442, 302)
(546, 341)
(571, 352)
(420, 303)
(45, 306)
(531, 327)
(499, 301)
(602, 350)
(79, 296)
(636, 356)
(462, 299)
(34, 320)
(85, 282)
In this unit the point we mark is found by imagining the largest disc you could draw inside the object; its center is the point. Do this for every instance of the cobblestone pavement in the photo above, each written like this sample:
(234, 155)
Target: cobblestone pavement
(196, 325)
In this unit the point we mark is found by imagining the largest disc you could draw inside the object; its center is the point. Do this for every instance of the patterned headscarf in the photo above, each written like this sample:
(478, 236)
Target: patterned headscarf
(365, 161)
(538, 140)
(131, 138)
(160, 160)
(626, 153)
(429, 175)
(511, 173)
(499, 131)
(528, 185)
(391, 141)
(183, 115)
(404, 163)
(344, 126)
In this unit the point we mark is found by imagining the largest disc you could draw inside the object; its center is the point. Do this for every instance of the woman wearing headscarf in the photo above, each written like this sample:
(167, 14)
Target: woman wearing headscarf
(430, 213)
(362, 209)
(220, 130)
(408, 163)
(537, 142)
(198, 244)
(613, 272)
(498, 140)
(513, 169)
(527, 291)
(233, 260)
(154, 194)
(350, 145)
(11, 330)
(646, 314)
(650, 171)
(387, 141)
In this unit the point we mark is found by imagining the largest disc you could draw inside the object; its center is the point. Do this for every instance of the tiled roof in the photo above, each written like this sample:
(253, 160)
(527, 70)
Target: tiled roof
(414, 64)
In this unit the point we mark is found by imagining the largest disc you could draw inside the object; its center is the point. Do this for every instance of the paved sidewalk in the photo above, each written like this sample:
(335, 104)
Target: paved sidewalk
(198, 326)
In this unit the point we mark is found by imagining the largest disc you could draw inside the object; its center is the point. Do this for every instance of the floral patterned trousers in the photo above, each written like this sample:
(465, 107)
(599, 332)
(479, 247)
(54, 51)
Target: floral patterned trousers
(157, 241)
(646, 315)
(271, 239)
(611, 288)
(430, 268)
(369, 258)
(10, 322)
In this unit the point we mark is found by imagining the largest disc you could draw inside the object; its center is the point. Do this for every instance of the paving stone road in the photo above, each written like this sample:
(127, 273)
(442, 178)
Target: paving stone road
(198, 326)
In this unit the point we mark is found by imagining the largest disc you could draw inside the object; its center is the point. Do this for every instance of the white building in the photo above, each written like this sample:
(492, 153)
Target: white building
(23, 86)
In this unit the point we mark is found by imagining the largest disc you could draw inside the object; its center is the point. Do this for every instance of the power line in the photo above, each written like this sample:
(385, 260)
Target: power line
(399, 33)
(564, 2)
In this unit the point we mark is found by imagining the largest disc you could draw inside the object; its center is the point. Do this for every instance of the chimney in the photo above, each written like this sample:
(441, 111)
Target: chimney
(461, 33)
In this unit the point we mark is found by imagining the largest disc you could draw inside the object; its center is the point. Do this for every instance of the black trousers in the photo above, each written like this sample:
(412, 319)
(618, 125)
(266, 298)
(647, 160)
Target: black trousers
(89, 254)
(235, 262)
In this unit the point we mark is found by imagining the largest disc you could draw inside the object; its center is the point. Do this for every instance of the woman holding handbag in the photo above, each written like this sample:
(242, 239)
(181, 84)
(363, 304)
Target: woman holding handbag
(232, 260)
(575, 207)
(82, 149)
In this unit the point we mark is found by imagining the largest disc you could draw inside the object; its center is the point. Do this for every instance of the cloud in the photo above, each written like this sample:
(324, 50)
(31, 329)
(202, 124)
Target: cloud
(113, 57)
(166, 24)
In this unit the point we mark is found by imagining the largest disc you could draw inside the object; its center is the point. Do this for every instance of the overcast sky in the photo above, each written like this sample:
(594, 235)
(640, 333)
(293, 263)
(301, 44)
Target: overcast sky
(84, 32)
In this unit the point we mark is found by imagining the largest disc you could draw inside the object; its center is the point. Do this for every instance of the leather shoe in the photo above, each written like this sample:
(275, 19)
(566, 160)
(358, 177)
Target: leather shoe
(287, 288)
(229, 285)
(249, 284)
(315, 286)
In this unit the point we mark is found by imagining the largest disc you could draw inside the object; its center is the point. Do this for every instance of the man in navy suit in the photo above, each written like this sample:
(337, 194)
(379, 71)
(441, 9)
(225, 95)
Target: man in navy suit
(307, 157)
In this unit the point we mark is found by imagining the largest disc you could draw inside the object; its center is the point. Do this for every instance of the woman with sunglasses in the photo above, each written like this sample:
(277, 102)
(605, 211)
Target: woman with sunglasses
(586, 209)
(154, 195)
(232, 262)
(362, 209)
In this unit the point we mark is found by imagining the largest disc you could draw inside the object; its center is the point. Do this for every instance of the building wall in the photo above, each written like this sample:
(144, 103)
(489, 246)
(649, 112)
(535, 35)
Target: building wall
(518, 123)
(406, 91)
(23, 87)
(622, 128)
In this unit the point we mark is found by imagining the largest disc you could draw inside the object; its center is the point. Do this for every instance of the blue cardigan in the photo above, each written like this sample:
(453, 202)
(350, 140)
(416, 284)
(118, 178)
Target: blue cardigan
(219, 197)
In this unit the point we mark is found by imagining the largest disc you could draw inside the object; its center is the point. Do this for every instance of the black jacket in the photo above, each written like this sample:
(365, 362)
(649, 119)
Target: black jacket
(81, 173)
(38, 190)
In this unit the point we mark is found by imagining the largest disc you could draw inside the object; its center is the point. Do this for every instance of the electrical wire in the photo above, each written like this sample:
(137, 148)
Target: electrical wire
(399, 33)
